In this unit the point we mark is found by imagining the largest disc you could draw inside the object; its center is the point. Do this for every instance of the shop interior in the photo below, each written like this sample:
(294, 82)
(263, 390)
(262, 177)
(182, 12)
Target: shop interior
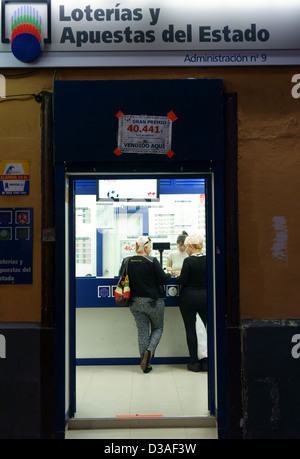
(110, 213)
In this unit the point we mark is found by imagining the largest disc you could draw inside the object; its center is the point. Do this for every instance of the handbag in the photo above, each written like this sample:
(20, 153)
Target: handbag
(122, 291)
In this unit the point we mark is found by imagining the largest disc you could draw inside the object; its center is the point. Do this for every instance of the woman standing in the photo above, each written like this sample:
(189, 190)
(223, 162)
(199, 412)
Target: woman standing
(193, 298)
(146, 278)
(176, 257)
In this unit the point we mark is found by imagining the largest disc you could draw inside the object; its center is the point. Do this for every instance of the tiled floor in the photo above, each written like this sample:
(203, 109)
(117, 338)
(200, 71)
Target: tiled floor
(124, 392)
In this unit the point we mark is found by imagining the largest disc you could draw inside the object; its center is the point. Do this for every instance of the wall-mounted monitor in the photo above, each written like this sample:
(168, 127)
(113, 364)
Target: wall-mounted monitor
(128, 190)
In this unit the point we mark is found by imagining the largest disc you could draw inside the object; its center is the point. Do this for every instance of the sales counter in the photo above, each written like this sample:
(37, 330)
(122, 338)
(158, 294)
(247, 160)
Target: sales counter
(107, 334)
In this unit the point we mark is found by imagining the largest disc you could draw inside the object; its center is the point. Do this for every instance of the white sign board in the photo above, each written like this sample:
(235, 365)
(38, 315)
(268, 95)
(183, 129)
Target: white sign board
(135, 32)
(144, 134)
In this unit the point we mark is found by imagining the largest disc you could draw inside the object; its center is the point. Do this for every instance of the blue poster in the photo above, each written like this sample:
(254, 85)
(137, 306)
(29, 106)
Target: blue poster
(16, 245)
(14, 177)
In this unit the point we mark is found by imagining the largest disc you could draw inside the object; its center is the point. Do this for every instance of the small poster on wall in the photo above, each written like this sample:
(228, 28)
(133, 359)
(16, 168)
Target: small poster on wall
(16, 245)
(14, 177)
(144, 134)
(127, 248)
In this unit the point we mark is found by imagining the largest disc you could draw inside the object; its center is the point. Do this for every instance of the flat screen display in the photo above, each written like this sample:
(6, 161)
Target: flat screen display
(128, 190)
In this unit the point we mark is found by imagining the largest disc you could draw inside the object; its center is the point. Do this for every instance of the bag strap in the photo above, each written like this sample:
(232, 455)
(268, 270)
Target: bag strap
(149, 259)
(125, 267)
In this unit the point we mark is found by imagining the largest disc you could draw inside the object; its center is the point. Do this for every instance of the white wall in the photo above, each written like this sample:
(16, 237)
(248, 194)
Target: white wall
(112, 333)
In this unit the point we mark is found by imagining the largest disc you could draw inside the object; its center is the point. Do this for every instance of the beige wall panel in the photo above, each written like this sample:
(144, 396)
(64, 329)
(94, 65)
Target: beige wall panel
(268, 191)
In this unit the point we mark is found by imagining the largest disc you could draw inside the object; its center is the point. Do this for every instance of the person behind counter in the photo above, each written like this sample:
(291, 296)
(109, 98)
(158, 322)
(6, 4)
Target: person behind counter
(146, 278)
(176, 257)
(192, 297)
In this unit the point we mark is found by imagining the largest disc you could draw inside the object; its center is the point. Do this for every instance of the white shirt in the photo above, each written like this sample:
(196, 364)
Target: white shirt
(177, 258)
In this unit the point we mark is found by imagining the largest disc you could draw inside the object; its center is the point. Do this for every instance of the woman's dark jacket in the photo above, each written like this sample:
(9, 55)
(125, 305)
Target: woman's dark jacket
(192, 280)
(146, 277)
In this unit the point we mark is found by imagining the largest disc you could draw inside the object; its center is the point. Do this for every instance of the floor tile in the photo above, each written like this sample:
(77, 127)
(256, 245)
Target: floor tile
(109, 391)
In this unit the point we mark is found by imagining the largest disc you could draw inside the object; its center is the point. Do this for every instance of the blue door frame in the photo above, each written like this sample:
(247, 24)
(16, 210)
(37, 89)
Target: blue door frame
(85, 130)
(65, 409)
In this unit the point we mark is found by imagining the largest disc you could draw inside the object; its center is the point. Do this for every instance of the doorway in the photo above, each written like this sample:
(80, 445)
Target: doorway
(78, 124)
(104, 223)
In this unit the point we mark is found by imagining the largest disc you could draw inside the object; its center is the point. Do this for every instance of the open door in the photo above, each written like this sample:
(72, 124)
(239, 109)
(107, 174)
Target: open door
(96, 236)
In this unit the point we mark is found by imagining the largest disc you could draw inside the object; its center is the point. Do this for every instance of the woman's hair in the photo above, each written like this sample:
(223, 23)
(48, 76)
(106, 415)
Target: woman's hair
(196, 240)
(181, 238)
(141, 242)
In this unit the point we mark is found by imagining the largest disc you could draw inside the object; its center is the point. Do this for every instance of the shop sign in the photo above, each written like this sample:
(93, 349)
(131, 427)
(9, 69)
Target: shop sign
(80, 33)
(16, 245)
(14, 177)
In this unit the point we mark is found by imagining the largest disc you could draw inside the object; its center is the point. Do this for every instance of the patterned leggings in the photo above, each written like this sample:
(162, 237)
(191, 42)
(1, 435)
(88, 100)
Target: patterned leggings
(149, 321)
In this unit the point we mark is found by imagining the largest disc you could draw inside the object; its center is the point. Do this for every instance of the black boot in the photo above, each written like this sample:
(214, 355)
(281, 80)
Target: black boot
(203, 364)
(194, 366)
